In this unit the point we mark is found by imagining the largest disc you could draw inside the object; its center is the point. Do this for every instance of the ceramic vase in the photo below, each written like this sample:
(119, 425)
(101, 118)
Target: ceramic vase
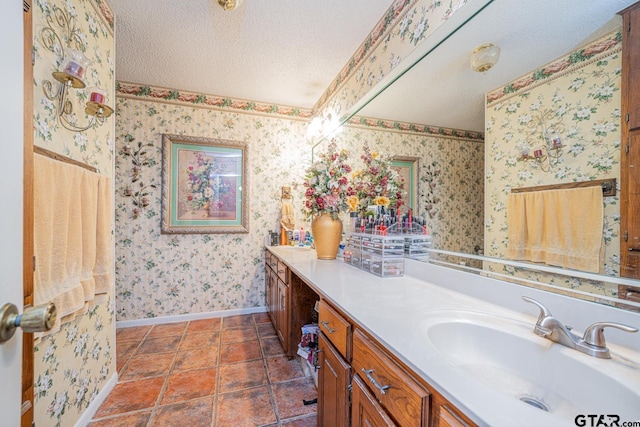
(326, 235)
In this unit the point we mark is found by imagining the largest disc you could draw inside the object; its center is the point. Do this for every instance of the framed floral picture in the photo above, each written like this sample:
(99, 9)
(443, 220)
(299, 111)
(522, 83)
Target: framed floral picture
(204, 185)
(407, 168)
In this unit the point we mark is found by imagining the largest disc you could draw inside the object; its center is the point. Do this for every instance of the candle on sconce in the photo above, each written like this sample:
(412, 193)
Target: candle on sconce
(74, 69)
(98, 95)
(537, 153)
(556, 141)
(75, 63)
(524, 151)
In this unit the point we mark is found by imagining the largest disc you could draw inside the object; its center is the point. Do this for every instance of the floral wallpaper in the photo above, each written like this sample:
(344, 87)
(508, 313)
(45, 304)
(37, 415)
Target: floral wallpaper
(163, 275)
(73, 365)
(450, 181)
(582, 89)
(406, 24)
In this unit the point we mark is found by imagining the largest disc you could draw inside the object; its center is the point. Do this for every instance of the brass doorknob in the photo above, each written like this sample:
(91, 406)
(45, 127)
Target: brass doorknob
(34, 319)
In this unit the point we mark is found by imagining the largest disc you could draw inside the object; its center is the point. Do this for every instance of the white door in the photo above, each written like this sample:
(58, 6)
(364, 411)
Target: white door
(11, 146)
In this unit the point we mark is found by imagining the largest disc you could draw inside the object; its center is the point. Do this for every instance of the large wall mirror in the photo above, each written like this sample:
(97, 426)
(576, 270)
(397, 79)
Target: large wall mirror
(559, 66)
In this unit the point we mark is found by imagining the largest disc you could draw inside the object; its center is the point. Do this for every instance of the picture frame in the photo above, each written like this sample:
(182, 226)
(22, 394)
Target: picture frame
(407, 168)
(205, 185)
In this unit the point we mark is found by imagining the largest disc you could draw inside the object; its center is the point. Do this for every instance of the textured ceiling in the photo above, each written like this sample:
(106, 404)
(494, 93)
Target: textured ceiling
(285, 52)
(441, 90)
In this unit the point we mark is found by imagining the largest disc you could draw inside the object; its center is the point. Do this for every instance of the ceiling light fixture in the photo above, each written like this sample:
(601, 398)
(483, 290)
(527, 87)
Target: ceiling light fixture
(229, 4)
(484, 57)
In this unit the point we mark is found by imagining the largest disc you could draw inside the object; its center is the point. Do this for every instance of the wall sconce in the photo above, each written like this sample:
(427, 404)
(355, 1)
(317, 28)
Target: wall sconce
(484, 57)
(71, 74)
(229, 4)
(548, 143)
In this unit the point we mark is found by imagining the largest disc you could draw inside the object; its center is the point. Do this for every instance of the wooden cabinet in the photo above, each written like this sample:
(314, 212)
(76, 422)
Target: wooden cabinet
(289, 302)
(277, 296)
(449, 418)
(366, 412)
(360, 382)
(630, 138)
(282, 313)
(404, 400)
(334, 378)
(336, 328)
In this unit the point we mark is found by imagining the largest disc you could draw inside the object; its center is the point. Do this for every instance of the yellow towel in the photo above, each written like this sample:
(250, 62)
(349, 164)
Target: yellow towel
(89, 205)
(557, 227)
(287, 220)
(58, 235)
(103, 270)
(72, 237)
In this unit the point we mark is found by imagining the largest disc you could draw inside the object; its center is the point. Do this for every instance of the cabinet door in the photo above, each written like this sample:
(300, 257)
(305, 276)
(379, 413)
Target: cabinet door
(365, 411)
(267, 290)
(333, 382)
(282, 314)
(273, 298)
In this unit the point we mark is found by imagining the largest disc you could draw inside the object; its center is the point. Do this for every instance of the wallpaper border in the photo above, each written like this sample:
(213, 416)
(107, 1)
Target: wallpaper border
(388, 22)
(195, 99)
(143, 92)
(415, 129)
(578, 58)
(103, 10)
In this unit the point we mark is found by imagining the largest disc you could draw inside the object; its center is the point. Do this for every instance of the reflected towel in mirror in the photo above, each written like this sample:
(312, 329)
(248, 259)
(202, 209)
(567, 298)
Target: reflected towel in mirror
(557, 227)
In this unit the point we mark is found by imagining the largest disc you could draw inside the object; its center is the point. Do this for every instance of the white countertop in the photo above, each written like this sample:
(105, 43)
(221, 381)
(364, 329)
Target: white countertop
(395, 310)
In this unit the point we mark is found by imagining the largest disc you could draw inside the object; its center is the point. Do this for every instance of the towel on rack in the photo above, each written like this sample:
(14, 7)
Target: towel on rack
(72, 233)
(286, 215)
(557, 227)
(57, 235)
(103, 269)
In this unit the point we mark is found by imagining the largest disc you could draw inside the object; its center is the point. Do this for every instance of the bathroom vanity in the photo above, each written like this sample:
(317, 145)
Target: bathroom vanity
(440, 347)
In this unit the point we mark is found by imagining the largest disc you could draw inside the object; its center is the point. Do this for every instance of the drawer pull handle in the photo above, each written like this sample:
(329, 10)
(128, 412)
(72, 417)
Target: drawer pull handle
(326, 326)
(382, 388)
(280, 271)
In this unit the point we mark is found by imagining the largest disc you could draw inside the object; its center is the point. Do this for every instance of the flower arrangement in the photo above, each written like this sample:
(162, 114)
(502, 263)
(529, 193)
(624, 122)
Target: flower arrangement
(377, 184)
(326, 183)
(205, 189)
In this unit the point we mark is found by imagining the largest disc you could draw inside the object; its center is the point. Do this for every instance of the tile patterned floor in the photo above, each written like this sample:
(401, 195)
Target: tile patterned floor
(210, 373)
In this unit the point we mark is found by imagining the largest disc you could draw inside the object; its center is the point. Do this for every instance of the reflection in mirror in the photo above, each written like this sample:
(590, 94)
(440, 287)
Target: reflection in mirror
(554, 92)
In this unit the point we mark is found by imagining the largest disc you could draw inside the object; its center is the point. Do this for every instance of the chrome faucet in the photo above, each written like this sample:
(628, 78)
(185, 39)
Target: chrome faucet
(592, 343)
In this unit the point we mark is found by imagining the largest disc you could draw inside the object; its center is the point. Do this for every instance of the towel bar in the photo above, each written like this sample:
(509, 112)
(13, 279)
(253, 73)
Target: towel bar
(608, 186)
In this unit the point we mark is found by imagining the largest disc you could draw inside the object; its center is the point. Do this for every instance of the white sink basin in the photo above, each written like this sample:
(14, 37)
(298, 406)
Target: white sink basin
(505, 357)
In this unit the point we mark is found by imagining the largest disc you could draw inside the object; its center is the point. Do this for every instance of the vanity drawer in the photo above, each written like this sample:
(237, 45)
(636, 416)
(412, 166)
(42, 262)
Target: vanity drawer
(272, 261)
(448, 418)
(336, 328)
(282, 271)
(406, 401)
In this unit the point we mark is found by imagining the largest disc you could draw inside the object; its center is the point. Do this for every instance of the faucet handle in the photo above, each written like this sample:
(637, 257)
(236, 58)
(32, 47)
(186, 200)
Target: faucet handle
(544, 311)
(594, 335)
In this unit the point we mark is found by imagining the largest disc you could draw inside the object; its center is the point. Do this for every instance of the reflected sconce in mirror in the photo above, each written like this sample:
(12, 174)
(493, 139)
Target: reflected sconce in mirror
(484, 57)
(323, 125)
(71, 74)
(546, 140)
(229, 4)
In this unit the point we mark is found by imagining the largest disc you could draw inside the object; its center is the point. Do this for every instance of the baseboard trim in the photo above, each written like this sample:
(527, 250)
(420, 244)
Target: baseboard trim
(91, 410)
(187, 317)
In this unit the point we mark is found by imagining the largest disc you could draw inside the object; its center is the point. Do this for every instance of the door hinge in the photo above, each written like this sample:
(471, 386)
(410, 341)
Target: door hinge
(626, 118)
(34, 263)
(629, 27)
(626, 149)
(626, 236)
